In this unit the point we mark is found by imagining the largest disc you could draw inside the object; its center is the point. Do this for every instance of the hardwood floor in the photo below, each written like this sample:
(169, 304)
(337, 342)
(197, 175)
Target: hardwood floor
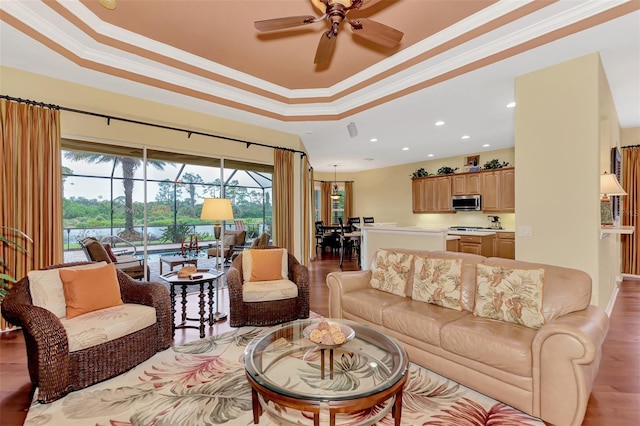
(614, 401)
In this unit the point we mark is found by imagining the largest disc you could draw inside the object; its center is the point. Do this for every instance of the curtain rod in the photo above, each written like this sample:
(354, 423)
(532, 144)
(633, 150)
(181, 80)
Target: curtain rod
(630, 146)
(331, 181)
(145, 123)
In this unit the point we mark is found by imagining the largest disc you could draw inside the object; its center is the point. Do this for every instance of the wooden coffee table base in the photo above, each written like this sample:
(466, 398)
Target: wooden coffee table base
(335, 407)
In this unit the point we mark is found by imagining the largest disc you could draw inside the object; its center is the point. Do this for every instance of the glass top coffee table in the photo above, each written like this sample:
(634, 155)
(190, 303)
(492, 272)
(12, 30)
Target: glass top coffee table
(286, 368)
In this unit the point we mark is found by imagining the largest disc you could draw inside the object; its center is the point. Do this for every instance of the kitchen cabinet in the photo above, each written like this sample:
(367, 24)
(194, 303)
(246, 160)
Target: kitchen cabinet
(497, 187)
(453, 244)
(466, 184)
(505, 245)
(443, 194)
(431, 195)
(477, 244)
(498, 191)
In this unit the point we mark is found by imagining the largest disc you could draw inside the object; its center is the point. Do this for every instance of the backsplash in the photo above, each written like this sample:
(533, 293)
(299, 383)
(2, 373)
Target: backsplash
(508, 220)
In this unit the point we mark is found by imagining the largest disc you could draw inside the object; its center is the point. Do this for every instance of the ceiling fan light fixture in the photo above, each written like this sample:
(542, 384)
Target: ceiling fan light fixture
(108, 4)
(318, 4)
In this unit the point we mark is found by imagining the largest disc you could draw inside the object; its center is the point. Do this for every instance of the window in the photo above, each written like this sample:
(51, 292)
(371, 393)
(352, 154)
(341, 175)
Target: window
(337, 206)
(104, 189)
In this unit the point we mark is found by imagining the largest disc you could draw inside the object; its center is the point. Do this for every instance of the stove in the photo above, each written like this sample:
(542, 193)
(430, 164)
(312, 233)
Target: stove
(472, 228)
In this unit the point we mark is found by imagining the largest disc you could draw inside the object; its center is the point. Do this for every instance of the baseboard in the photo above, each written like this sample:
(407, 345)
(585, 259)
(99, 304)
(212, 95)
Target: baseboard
(612, 301)
(631, 276)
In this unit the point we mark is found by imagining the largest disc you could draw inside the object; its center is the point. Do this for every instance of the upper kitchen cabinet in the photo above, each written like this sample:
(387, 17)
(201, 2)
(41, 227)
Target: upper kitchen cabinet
(431, 194)
(498, 190)
(466, 184)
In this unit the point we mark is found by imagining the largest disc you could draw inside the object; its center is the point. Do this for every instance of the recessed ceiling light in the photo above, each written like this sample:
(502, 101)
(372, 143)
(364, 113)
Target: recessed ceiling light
(486, 145)
(406, 148)
(430, 155)
(373, 140)
(368, 159)
(309, 132)
(439, 123)
(465, 137)
(511, 105)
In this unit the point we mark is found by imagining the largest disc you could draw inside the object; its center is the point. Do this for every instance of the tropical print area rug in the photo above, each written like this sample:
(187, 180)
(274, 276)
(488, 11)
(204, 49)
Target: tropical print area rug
(204, 383)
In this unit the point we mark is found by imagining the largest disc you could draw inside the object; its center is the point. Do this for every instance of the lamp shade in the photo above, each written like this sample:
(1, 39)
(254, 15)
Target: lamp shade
(217, 209)
(609, 185)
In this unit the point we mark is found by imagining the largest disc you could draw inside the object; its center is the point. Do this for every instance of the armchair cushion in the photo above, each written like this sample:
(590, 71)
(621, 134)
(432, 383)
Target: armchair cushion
(107, 324)
(265, 265)
(46, 288)
(262, 291)
(90, 289)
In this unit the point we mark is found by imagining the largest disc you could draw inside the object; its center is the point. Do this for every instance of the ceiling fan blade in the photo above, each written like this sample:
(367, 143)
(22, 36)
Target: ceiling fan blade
(376, 32)
(281, 23)
(325, 47)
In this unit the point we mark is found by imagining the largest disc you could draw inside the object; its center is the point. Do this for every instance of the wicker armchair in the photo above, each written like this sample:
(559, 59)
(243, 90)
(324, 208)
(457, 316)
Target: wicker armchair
(268, 312)
(55, 370)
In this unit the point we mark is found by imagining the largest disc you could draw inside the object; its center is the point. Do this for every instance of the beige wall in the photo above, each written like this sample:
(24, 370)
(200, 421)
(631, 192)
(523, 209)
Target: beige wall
(630, 136)
(73, 125)
(565, 127)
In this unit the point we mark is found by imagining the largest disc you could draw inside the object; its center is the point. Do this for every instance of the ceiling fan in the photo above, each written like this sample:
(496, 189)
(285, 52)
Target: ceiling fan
(335, 11)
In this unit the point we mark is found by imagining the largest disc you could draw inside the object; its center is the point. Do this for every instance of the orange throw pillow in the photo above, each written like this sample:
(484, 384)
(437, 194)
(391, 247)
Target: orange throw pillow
(266, 265)
(88, 290)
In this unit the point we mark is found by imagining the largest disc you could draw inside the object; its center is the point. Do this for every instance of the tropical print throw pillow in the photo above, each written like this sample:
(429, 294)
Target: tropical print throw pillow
(391, 272)
(437, 281)
(513, 295)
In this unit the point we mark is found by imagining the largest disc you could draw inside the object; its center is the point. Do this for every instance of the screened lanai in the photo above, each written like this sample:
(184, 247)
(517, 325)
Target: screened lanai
(131, 197)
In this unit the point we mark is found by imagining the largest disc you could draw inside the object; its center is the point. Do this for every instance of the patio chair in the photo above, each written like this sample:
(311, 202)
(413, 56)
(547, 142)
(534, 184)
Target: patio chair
(98, 252)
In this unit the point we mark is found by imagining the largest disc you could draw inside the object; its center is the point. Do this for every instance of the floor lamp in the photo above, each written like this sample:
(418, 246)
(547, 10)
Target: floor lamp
(218, 209)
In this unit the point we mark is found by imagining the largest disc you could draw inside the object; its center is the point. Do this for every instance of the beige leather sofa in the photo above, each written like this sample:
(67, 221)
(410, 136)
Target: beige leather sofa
(546, 372)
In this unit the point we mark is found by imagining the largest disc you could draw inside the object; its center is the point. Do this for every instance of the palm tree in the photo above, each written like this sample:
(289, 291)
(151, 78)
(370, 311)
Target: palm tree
(129, 166)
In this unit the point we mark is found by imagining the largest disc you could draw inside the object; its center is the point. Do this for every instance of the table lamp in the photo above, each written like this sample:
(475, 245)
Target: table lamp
(218, 209)
(608, 186)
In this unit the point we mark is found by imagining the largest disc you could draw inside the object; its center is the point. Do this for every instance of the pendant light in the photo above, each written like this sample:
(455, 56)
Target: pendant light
(335, 195)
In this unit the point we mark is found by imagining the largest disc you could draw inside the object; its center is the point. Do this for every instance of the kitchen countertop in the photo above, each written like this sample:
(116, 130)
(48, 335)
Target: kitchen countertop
(478, 233)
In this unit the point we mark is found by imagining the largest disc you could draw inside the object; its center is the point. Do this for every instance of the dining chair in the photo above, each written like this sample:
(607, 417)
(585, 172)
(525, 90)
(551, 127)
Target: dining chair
(351, 222)
(367, 219)
(348, 243)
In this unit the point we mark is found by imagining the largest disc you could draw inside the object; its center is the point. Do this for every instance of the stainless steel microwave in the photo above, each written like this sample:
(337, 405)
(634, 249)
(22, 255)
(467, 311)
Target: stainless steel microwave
(466, 203)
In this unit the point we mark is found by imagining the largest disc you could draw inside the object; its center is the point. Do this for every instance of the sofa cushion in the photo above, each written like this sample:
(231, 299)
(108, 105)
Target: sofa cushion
(499, 344)
(369, 303)
(566, 290)
(263, 291)
(391, 272)
(422, 321)
(513, 295)
(46, 291)
(437, 280)
(87, 290)
(104, 325)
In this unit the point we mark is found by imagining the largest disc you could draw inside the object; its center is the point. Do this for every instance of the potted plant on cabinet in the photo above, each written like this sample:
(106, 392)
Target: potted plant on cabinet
(494, 164)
